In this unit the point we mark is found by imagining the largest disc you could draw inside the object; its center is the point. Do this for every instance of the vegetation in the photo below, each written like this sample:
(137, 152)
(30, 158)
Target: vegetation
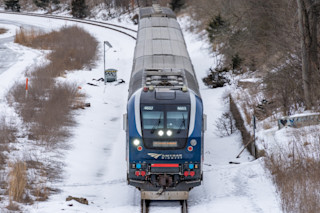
(177, 5)
(296, 171)
(12, 5)
(267, 35)
(2, 31)
(44, 4)
(278, 41)
(46, 110)
(79, 9)
(82, 8)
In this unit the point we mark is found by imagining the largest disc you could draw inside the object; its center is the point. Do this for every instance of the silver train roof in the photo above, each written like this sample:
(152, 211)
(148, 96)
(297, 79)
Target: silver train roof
(161, 51)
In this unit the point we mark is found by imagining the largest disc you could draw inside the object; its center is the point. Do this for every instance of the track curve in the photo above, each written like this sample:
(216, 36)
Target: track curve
(121, 29)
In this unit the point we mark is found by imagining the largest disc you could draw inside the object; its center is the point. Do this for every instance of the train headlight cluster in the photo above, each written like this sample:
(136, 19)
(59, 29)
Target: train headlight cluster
(136, 142)
(161, 133)
(193, 142)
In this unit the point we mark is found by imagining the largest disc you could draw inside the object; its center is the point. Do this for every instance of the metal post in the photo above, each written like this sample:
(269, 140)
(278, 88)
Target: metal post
(253, 147)
(27, 88)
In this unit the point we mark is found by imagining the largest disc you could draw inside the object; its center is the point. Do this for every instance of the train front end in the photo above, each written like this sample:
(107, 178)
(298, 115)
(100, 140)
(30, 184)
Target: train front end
(164, 142)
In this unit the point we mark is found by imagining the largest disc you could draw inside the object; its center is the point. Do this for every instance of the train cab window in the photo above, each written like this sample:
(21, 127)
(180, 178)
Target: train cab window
(177, 120)
(152, 120)
(165, 117)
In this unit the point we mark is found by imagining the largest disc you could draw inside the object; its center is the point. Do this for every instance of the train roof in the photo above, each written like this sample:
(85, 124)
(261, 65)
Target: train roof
(156, 10)
(161, 50)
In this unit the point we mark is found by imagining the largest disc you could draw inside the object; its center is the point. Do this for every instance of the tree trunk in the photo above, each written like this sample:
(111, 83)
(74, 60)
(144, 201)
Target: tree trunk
(308, 32)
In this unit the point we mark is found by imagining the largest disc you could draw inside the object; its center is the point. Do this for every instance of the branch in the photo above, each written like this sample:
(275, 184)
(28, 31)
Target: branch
(316, 3)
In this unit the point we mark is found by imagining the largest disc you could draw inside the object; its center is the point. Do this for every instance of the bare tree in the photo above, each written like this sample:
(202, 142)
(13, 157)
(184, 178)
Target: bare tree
(307, 12)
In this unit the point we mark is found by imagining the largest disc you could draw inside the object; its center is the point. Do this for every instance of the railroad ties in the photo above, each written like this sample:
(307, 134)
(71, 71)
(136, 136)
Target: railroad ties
(146, 208)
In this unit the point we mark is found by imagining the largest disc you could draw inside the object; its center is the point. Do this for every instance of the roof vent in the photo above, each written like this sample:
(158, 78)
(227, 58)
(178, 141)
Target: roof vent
(157, 8)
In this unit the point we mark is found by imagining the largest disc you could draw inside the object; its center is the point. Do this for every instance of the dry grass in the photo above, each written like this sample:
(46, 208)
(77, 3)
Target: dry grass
(296, 173)
(48, 105)
(266, 125)
(17, 181)
(247, 115)
(2, 30)
(55, 116)
(13, 207)
(46, 110)
(72, 47)
(7, 131)
(25, 37)
(7, 136)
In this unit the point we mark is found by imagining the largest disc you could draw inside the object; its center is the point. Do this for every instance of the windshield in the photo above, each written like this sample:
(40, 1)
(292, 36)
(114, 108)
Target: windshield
(177, 120)
(152, 119)
(165, 117)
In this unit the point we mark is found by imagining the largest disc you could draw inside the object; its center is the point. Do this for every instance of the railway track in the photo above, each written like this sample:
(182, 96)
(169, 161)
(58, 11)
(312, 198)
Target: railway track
(118, 28)
(147, 208)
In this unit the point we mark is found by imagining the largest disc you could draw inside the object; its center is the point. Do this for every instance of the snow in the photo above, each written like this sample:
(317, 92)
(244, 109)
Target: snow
(251, 80)
(95, 166)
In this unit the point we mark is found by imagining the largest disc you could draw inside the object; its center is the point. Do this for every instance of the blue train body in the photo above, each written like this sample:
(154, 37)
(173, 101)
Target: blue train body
(164, 122)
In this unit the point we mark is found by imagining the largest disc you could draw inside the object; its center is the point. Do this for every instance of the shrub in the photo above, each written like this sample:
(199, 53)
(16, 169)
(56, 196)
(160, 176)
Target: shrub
(12, 5)
(17, 181)
(79, 9)
(2, 31)
(216, 78)
(225, 125)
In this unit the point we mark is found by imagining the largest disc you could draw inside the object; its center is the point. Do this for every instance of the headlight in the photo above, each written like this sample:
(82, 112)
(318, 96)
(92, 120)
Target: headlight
(193, 142)
(160, 133)
(169, 133)
(136, 142)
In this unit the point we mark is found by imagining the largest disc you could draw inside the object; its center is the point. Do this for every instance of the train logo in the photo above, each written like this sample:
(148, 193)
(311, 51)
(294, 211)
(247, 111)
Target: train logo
(155, 155)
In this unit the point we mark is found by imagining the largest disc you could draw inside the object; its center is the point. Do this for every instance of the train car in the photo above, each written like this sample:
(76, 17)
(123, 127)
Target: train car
(164, 123)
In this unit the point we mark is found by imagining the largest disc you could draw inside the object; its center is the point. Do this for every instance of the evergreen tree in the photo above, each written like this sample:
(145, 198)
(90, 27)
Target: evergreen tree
(79, 9)
(41, 3)
(216, 30)
(45, 3)
(176, 5)
(12, 5)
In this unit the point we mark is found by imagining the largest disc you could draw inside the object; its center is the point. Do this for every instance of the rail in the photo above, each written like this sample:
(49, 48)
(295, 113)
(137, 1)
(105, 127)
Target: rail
(83, 21)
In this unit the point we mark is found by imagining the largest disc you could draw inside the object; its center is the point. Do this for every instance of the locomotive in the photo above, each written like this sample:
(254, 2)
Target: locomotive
(164, 123)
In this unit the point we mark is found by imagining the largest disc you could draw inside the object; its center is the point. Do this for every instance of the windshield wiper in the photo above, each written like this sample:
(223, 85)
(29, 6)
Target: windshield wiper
(156, 125)
(183, 122)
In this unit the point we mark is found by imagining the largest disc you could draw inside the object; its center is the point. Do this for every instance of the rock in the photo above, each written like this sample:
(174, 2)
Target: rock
(80, 200)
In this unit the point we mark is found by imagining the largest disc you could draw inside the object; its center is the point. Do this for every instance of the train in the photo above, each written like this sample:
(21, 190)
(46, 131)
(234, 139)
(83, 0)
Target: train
(164, 123)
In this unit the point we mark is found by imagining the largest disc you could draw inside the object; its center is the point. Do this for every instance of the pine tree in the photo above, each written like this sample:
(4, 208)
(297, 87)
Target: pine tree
(41, 3)
(176, 5)
(46, 4)
(79, 9)
(12, 5)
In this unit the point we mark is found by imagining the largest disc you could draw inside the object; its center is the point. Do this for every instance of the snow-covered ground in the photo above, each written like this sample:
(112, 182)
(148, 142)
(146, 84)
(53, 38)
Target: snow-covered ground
(95, 165)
